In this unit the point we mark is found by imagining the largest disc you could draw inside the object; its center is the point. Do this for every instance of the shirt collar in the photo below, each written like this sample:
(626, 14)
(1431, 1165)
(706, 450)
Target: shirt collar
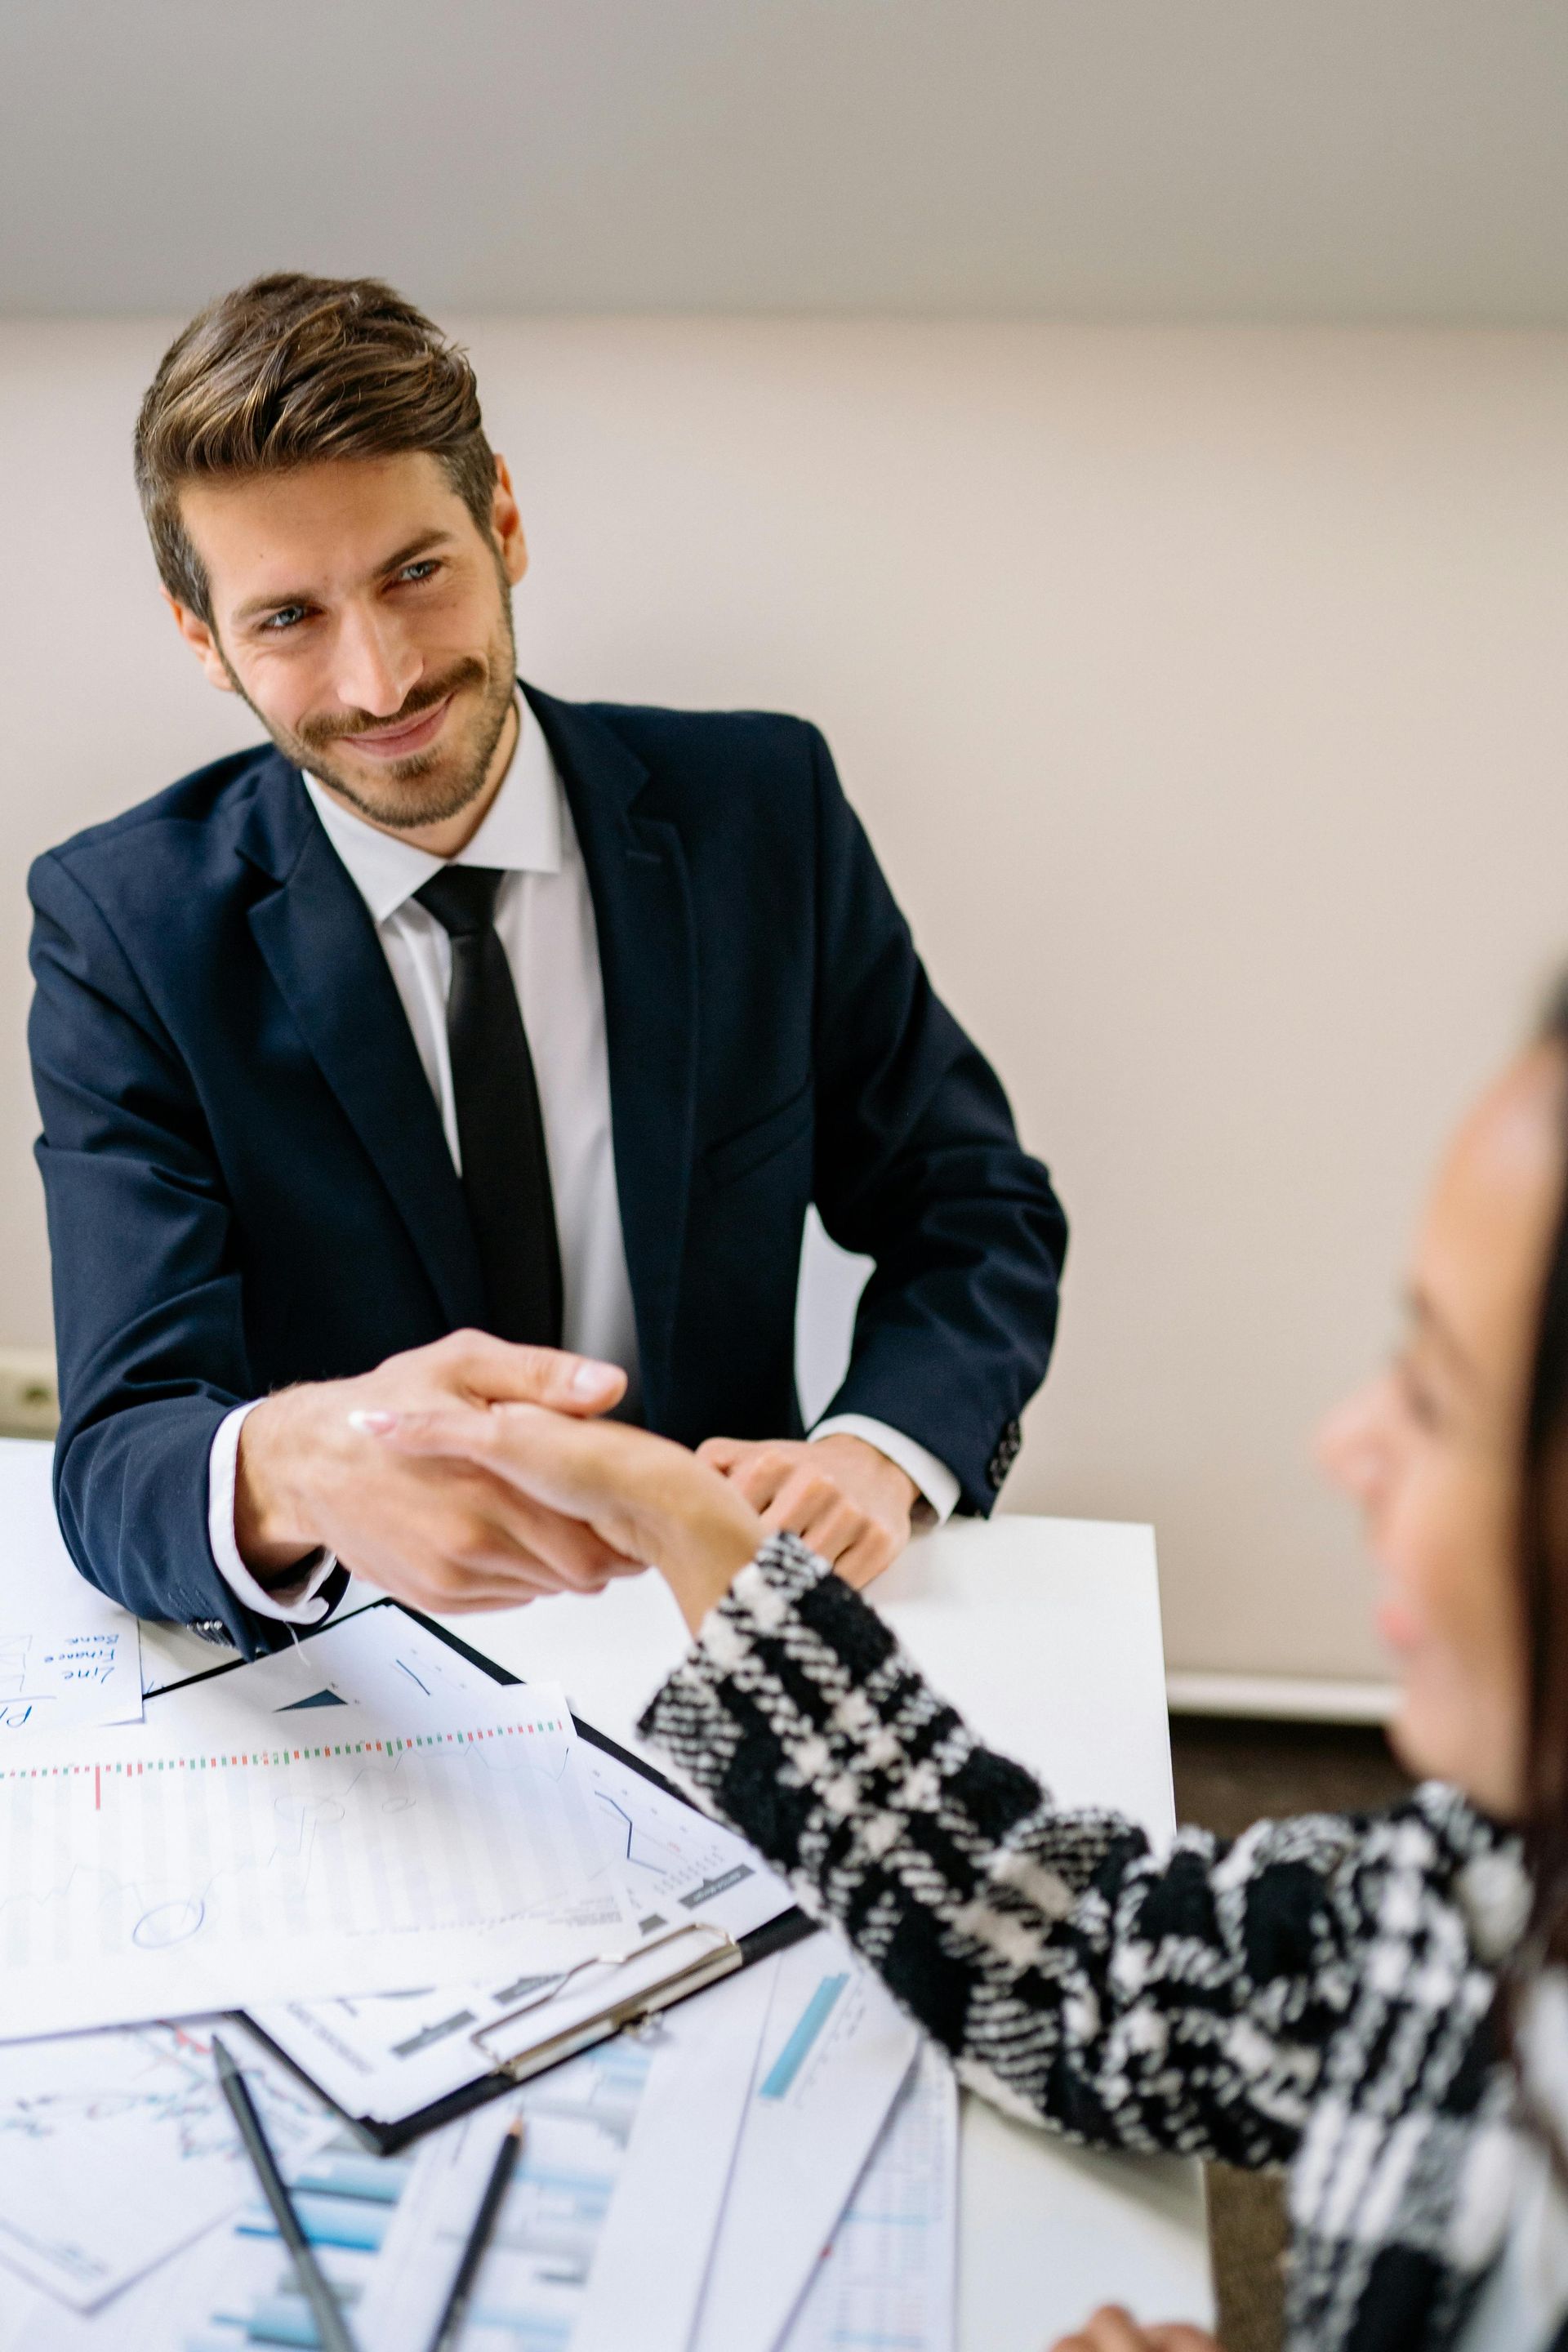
(520, 833)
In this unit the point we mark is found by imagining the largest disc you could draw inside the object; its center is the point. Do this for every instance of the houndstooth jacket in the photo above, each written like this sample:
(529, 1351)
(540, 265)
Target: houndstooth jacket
(1318, 1994)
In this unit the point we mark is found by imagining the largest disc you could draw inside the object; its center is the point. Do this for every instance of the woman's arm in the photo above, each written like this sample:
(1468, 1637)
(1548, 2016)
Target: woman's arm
(1181, 2002)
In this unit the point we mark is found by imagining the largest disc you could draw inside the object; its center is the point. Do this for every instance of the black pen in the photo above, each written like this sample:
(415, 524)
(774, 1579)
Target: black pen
(450, 2324)
(329, 2322)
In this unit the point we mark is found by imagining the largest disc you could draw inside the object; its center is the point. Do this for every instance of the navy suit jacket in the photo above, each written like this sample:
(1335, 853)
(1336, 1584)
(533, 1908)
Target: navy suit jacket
(247, 1183)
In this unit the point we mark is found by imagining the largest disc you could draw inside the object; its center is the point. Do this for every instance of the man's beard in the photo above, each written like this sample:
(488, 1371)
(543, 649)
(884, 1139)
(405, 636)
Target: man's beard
(430, 787)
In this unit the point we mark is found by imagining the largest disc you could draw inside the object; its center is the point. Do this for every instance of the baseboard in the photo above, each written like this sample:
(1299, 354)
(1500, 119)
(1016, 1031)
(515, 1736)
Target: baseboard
(1287, 1699)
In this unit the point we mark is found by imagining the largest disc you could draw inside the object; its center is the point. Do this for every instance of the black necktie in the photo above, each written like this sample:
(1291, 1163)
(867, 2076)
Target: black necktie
(506, 1176)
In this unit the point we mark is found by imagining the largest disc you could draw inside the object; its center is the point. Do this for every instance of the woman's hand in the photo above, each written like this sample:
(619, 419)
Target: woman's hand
(644, 1497)
(1112, 2329)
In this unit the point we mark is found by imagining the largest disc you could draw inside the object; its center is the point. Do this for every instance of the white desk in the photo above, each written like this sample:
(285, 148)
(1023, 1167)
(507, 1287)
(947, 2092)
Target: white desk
(1046, 1633)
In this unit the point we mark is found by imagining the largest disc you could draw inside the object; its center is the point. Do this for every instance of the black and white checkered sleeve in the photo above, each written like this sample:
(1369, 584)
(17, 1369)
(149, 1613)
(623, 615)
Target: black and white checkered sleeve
(1181, 2002)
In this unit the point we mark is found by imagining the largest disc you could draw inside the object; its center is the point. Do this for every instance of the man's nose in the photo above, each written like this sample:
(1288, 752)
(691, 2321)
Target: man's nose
(375, 667)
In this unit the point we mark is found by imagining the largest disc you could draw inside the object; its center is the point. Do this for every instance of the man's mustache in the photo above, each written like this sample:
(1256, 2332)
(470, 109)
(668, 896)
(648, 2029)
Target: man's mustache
(318, 733)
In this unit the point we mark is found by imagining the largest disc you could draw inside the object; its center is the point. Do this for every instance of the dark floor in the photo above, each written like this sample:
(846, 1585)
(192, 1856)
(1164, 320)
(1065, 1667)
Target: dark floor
(1229, 1774)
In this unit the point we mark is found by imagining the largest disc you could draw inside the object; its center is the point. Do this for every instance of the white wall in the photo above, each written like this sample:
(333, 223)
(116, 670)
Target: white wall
(1204, 692)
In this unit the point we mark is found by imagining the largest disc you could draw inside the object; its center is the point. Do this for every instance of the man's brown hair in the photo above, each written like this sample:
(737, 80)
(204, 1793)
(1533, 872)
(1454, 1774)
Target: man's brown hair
(290, 370)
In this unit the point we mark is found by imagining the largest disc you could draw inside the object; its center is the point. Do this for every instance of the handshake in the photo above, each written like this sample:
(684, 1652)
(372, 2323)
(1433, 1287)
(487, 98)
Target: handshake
(475, 1475)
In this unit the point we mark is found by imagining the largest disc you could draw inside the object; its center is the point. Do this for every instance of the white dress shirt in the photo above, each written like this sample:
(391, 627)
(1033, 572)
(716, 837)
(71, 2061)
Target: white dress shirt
(544, 915)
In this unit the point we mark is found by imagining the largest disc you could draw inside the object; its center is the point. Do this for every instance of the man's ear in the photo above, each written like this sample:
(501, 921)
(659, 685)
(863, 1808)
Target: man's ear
(507, 524)
(198, 634)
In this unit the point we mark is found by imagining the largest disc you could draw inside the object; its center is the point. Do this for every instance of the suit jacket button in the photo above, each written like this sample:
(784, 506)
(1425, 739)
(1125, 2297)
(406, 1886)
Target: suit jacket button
(1006, 1454)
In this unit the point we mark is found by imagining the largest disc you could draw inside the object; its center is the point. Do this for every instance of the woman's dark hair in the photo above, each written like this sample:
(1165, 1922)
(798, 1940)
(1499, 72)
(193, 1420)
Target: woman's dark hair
(1543, 1569)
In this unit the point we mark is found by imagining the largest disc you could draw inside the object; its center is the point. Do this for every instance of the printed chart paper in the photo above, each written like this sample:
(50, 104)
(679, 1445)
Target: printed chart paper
(116, 2148)
(379, 1663)
(657, 2241)
(676, 1865)
(63, 1678)
(888, 2282)
(237, 2285)
(833, 2055)
(535, 2278)
(152, 1879)
(387, 2056)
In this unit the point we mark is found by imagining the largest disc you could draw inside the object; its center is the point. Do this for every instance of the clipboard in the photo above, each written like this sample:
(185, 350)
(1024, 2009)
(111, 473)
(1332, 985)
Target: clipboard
(699, 1953)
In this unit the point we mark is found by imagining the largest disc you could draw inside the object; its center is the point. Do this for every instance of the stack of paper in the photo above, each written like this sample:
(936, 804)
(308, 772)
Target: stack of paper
(888, 2277)
(770, 2170)
(116, 2149)
(264, 1841)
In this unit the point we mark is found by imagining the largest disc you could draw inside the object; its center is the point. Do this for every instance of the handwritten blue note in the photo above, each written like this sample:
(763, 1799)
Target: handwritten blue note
(61, 1678)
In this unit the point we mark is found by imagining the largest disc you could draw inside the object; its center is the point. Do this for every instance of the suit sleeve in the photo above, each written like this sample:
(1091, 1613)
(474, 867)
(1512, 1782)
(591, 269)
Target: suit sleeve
(918, 1166)
(1178, 2002)
(149, 1326)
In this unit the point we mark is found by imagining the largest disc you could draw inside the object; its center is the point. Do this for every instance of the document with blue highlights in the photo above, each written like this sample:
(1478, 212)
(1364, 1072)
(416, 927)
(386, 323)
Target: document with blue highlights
(887, 2278)
(834, 2052)
(117, 2149)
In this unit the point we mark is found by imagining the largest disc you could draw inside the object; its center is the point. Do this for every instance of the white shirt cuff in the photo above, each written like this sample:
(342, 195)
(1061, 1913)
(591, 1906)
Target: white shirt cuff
(934, 1479)
(298, 1604)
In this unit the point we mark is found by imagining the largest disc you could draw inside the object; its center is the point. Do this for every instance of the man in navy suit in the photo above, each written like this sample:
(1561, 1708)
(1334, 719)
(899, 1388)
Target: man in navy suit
(463, 1043)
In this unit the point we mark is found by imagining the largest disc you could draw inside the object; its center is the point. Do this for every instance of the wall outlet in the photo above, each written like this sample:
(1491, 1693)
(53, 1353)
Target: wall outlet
(29, 1400)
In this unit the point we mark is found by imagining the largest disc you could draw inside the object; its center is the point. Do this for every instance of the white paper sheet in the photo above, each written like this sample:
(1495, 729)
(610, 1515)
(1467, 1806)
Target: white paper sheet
(888, 2280)
(385, 2058)
(657, 2243)
(534, 2280)
(836, 2050)
(116, 2148)
(149, 1877)
(677, 1864)
(64, 1677)
(236, 2285)
(380, 1662)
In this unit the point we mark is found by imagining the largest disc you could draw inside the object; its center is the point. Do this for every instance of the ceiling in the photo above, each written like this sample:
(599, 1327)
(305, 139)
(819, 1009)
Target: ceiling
(1354, 160)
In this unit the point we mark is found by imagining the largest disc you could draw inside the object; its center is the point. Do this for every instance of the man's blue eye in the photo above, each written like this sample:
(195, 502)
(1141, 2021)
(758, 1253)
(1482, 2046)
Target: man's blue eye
(285, 618)
(421, 571)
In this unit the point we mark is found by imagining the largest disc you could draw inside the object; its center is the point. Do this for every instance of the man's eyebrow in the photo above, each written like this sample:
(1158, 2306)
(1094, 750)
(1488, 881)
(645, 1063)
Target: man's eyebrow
(421, 544)
(1429, 1323)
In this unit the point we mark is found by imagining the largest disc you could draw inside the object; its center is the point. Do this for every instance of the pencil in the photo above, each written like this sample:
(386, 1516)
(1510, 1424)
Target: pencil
(449, 2327)
(331, 2325)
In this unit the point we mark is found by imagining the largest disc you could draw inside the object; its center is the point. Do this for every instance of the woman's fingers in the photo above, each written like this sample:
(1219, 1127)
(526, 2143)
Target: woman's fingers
(1112, 2329)
(461, 1432)
(594, 1471)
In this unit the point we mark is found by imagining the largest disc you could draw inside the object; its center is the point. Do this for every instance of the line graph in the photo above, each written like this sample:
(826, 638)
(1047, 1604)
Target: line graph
(139, 1858)
(117, 2147)
(675, 1859)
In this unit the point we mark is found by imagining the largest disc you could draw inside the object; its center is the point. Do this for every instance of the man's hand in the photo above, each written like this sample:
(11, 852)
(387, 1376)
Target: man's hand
(443, 1534)
(1115, 2330)
(642, 1496)
(843, 1497)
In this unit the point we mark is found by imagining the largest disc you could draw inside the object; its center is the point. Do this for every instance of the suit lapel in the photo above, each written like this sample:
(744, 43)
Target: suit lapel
(320, 944)
(647, 957)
